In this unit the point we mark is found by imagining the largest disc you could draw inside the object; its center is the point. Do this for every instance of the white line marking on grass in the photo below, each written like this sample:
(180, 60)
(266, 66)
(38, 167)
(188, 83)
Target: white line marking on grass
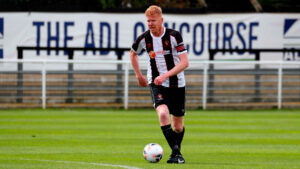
(86, 163)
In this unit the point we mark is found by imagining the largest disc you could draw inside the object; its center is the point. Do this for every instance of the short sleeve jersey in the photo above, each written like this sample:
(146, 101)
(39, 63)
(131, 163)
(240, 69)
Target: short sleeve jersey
(163, 55)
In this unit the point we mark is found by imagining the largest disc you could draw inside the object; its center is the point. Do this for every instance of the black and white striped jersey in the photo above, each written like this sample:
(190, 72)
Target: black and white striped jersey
(163, 55)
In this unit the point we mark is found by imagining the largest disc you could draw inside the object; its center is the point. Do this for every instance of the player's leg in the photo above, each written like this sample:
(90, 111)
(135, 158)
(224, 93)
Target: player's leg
(177, 111)
(178, 127)
(159, 98)
(178, 133)
(164, 119)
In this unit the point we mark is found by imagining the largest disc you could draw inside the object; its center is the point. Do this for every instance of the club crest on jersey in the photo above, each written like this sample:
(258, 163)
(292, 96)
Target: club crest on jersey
(152, 54)
(167, 43)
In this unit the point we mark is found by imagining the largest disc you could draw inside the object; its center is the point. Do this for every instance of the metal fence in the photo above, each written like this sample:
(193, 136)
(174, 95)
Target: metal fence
(210, 84)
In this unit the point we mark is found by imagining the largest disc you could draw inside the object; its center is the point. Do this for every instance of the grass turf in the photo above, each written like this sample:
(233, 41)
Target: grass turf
(91, 138)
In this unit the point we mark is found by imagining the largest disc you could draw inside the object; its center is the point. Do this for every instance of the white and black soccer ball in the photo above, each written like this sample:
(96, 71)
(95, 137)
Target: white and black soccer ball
(153, 152)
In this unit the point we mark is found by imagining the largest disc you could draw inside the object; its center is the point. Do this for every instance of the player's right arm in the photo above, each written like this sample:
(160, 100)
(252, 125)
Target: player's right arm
(135, 64)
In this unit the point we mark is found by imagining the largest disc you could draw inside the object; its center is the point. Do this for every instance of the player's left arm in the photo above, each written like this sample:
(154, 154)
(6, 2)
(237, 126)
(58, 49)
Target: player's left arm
(183, 64)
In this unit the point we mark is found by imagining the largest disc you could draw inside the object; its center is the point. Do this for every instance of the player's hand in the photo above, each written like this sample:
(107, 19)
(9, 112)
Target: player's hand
(142, 81)
(159, 80)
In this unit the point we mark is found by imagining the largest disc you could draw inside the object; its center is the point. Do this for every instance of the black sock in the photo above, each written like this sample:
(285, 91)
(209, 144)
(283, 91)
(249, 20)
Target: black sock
(171, 139)
(179, 137)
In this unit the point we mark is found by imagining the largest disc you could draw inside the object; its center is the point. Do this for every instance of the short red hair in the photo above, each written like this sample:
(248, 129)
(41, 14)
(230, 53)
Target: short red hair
(153, 10)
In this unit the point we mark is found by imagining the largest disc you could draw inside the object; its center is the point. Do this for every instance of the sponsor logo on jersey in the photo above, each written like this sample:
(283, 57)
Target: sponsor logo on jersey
(152, 54)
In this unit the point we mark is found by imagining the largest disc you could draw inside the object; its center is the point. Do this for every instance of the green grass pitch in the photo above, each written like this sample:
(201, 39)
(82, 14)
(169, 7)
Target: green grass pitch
(114, 139)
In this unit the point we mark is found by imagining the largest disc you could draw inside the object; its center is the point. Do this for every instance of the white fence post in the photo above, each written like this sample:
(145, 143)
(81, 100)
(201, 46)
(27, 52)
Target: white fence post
(204, 88)
(126, 83)
(44, 85)
(279, 94)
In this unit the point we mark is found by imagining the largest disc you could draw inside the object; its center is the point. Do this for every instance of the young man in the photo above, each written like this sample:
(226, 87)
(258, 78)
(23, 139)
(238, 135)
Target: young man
(165, 77)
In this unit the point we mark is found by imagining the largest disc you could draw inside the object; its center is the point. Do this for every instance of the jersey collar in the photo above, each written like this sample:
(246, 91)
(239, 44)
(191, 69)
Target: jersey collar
(159, 36)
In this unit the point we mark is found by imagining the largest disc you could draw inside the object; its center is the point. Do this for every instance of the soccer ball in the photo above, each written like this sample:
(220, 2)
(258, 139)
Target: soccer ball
(153, 152)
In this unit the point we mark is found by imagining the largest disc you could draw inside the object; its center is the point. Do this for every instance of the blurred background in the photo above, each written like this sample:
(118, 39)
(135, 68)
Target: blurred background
(170, 6)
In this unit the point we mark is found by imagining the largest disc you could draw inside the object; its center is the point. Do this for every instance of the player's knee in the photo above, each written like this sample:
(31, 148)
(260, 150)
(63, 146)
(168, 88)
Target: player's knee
(178, 128)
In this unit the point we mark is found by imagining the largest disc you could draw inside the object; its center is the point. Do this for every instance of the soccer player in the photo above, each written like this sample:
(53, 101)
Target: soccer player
(166, 62)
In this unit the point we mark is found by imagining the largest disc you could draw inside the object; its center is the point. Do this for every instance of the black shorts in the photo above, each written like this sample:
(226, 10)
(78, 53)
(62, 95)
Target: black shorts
(174, 98)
